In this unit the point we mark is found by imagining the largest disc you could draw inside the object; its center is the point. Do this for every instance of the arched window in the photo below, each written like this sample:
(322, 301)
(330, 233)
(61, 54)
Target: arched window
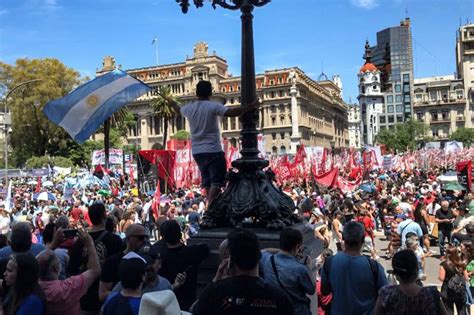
(274, 150)
(282, 150)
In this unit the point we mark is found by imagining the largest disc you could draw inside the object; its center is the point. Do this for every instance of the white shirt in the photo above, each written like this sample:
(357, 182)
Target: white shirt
(204, 117)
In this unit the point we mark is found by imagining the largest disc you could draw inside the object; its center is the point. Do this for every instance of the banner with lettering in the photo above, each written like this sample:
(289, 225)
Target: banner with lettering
(115, 157)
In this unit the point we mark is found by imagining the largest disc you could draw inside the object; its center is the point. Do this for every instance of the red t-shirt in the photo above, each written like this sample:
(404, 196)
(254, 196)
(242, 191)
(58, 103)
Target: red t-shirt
(63, 296)
(368, 225)
(76, 214)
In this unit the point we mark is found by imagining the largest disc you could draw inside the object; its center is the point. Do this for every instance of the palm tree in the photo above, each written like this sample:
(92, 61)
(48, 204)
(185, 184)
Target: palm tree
(163, 109)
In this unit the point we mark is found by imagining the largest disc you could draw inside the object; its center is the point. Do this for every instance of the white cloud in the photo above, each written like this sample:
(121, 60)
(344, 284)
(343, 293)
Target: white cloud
(365, 4)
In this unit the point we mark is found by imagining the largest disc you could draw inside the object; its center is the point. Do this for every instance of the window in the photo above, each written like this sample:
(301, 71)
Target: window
(434, 132)
(272, 94)
(282, 135)
(274, 150)
(274, 136)
(225, 123)
(398, 88)
(406, 77)
(390, 108)
(391, 119)
(283, 149)
(419, 115)
(233, 124)
(382, 119)
(362, 90)
(374, 87)
(390, 99)
(273, 121)
(232, 100)
(399, 118)
(398, 98)
(407, 98)
(399, 109)
(445, 114)
(434, 115)
(363, 108)
(281, 93)
(406, 88)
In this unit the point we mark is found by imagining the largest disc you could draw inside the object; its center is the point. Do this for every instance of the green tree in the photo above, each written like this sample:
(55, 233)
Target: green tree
(181, 135)
(404, 136)
(464, 135)
(162, 107)
(32, 133)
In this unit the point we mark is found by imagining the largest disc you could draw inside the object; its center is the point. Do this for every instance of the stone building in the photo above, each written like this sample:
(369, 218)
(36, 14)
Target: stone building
(295, 108)
(465, 67)
(354, 126)
(440, 103)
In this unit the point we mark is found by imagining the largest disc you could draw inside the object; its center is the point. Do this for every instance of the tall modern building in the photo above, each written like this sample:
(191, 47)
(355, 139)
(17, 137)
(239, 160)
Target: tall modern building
(295, 108)
(393, 57)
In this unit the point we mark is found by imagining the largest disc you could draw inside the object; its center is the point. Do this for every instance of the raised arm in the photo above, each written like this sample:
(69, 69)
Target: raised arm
(240, 110)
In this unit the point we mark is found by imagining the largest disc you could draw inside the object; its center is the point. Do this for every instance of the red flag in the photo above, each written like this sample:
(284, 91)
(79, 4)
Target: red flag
(38, 185)
(300, 155)
(155, 206)
(165, 162)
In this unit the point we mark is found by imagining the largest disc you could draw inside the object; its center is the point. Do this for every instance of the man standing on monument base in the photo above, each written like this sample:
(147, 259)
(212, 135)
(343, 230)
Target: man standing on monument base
(203, 116)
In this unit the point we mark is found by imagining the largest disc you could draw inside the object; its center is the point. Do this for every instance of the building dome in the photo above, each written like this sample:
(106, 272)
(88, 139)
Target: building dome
(368, 66)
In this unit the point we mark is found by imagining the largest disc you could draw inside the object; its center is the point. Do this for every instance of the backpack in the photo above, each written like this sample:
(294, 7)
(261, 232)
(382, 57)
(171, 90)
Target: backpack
(457, 284)
(100, 248)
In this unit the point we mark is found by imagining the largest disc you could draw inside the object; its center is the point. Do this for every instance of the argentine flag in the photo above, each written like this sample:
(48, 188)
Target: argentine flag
(82, 111)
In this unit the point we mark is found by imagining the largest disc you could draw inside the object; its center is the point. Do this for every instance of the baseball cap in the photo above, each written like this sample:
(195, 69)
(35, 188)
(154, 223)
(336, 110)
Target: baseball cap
(401, 216)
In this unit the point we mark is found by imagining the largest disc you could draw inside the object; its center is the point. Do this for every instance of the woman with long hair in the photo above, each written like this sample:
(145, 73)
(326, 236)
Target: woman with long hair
(127, 220)
(25, 296)
(408, 297)
(421, 217)
(453, 275)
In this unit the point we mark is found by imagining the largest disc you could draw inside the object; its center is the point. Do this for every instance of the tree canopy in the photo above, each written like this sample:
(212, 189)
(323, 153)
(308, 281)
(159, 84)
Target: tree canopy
(464, 135)
(32, 133)
(404, 136)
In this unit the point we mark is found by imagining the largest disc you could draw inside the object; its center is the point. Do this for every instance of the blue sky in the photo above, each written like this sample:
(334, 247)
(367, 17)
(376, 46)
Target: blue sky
(303, 33)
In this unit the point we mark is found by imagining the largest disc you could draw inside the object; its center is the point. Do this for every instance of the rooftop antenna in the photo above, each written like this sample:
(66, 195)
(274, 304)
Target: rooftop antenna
(406, 12)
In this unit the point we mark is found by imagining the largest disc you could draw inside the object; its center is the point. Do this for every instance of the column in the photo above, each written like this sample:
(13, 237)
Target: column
(295, 133)
(144, 140)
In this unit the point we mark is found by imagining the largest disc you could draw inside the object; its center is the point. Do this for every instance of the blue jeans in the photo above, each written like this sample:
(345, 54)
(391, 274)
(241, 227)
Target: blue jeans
(442, 234)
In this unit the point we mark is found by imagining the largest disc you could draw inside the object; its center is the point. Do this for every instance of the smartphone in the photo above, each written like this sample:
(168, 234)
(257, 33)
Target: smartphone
(70, 233)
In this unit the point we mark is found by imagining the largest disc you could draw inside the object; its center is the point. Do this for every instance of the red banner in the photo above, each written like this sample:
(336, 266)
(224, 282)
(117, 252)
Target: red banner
(327, 179)
(464, 170)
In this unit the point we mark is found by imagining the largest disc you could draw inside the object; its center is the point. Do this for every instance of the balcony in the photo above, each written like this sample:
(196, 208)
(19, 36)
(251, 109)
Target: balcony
(424, 100)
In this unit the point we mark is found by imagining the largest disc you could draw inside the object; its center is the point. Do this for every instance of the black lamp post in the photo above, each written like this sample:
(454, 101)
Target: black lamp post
(250, 192)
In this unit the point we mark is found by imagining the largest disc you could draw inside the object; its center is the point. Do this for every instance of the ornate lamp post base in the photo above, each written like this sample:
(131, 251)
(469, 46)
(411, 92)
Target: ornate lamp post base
(251, 196)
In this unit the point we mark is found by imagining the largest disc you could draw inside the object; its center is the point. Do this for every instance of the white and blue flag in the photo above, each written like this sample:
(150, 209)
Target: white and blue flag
(82, 111)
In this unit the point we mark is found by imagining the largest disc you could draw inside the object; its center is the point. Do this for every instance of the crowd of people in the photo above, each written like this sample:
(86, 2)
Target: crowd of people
(97, 253)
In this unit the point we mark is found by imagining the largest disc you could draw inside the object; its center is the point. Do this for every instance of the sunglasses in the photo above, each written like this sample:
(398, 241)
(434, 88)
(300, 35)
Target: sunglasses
(140, 237)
